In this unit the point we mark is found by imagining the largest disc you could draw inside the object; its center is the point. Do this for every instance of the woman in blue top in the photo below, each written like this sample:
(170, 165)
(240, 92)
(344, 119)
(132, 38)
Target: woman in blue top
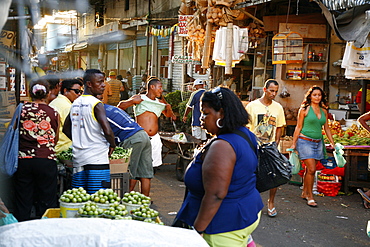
(223, 203)
(308, 138)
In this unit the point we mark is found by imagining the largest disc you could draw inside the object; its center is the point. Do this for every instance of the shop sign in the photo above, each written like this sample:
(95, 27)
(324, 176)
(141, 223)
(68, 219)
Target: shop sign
(7, 38)
(2, 68)
(183, 22)
(63, 61)
(184, 60)
(3, 83)
(23, 87)
(11, 79)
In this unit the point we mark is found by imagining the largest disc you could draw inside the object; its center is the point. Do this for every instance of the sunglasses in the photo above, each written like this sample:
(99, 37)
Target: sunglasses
(77, 91)
(218, 92)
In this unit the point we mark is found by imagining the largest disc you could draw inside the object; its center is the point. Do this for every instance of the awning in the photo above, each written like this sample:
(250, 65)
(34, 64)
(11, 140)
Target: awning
(340, 5)
(80, 46)
(250, 3)
(69, 48)
(350, 25)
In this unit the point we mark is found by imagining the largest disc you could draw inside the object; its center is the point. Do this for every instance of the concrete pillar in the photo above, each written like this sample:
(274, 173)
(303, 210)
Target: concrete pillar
(154, 61)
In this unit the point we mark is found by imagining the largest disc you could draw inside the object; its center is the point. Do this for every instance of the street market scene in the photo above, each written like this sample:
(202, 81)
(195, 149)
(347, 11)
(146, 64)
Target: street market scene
(185, 123)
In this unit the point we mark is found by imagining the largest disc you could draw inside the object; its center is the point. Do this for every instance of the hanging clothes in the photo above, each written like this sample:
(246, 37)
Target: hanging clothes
(239, 45)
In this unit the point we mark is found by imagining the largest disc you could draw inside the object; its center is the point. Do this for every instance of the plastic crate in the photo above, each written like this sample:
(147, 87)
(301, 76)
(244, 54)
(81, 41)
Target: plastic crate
(51, 213)
(120, 183)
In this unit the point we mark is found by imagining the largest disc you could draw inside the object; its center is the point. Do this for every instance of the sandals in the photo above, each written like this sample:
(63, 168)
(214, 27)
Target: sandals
(363, 195)
(311, 203)
(271, 212)
(366, 204)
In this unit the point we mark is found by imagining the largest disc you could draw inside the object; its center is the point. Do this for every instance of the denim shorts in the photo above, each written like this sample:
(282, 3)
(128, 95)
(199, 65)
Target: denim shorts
(309, 150)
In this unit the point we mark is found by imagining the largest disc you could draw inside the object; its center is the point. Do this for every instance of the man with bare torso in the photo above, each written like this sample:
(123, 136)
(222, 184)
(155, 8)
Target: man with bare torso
(148, 108)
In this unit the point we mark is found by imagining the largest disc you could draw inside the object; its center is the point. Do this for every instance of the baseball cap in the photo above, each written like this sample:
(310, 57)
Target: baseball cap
(198, 82)
(112, 73)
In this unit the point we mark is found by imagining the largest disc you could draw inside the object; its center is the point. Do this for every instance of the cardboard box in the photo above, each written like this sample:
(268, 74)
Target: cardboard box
(7, 111)
(7, 98)
(118, 165)
(283, 145)
(4, 123)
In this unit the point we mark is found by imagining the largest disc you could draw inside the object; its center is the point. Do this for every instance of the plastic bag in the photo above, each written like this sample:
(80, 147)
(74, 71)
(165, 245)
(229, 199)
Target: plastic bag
(294, 160)
(9, 219)
(274, 169)
(338, 155)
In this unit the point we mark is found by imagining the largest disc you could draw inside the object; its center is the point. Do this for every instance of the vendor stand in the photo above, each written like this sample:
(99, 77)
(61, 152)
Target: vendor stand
(356, 172)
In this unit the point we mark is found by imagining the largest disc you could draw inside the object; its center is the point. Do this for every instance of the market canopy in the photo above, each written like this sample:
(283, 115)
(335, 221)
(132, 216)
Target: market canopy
(351, 24)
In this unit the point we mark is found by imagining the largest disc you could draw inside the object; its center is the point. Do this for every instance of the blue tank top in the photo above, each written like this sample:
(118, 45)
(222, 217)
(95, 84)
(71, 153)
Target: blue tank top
(122, 124)
(242, 203)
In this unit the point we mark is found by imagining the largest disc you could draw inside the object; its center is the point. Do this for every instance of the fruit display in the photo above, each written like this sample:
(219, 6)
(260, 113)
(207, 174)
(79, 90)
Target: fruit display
(118, 153)
(134, 197)
(143, 213)
(290, 113)
(335, 127)
(90, 209)
(115, 209)
(105, 196)
(75, 196)
(353, 136)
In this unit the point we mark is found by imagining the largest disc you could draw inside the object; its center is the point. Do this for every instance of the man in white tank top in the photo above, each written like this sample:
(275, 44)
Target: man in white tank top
(92, 137)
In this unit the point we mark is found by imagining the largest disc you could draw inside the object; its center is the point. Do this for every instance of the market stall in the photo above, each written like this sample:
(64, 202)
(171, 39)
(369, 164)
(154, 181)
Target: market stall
(96, 232)
(357, 173)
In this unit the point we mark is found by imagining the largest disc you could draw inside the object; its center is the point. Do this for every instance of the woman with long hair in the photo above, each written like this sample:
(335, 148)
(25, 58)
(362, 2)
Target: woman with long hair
(308, 137)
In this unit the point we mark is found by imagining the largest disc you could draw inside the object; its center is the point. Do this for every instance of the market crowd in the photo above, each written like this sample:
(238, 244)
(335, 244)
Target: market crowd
(91, 114)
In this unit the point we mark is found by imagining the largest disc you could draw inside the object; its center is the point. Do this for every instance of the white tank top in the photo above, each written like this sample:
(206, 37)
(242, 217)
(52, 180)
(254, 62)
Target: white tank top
(89, 143)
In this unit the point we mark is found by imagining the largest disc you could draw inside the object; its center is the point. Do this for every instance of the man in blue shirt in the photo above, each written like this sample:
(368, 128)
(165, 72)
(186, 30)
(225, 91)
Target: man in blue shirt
(194, 103)
(128, 134)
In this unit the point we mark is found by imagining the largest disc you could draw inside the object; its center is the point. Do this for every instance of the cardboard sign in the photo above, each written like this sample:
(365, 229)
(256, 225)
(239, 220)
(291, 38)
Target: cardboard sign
(7, 38)
(183, 21)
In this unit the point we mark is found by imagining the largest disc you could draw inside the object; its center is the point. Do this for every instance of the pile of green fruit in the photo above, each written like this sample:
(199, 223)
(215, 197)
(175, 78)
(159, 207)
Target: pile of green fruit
(134, 197)
(75, 196)
(116, 209)
(90, 209)
(119, 217)
(144, 212)
(105, 196)
(118, 153)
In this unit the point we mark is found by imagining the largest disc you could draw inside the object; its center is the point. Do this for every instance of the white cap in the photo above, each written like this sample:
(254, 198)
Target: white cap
(198, 82)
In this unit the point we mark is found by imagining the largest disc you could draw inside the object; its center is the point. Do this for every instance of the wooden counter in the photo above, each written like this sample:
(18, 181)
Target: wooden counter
(356, 173)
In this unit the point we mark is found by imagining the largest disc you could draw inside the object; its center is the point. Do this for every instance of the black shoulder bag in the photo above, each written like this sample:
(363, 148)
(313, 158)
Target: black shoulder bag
(274, 169)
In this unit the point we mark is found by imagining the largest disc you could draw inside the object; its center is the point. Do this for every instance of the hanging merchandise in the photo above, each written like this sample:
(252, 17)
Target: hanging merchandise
(219, 50)
(356, 61)
(163, 31)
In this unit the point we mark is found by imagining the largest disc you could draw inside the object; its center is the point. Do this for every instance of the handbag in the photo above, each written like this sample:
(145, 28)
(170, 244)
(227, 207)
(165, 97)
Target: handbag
(10, 145)
(274, 169)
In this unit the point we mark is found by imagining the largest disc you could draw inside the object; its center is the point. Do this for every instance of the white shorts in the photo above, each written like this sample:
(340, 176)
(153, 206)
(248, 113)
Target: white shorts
(156, 150)
(198, 133)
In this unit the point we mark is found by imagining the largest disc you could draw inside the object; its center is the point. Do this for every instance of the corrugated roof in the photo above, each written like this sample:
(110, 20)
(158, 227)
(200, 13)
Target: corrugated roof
(342, 4)
(250, 3)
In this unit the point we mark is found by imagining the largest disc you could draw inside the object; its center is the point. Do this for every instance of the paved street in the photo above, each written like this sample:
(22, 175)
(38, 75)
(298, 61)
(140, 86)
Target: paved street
(337, 221)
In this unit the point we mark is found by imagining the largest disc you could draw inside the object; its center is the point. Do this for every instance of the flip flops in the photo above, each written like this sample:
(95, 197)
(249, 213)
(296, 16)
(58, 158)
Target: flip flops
(271, 212)
(363, 195)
